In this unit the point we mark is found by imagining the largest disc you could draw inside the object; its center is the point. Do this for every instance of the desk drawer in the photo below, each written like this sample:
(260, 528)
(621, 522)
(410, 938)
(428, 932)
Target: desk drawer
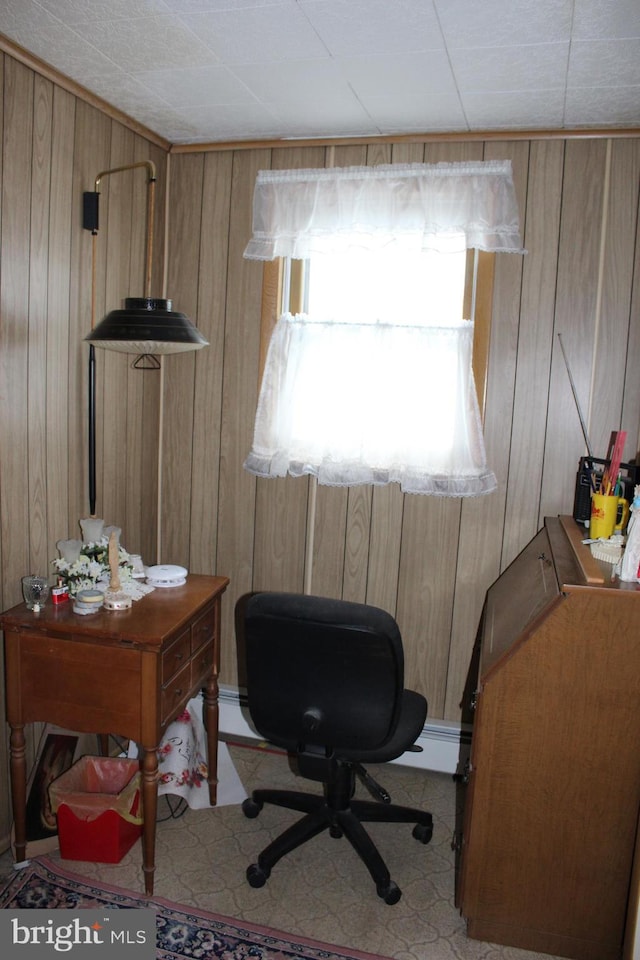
(176, 691)
(203, 630)
(176, 656)
(201, 664)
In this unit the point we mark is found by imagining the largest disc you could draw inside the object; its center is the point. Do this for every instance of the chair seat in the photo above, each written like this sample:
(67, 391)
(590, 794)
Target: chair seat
(413, 714)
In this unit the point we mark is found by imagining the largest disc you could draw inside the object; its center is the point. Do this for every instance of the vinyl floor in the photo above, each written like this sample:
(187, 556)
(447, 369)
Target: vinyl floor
(322, 890)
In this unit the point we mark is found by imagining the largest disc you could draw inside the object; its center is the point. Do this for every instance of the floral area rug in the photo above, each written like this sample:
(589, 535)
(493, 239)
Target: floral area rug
(181, 930)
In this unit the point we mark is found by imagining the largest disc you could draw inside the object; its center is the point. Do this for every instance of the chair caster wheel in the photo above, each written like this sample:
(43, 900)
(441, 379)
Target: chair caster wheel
(423, 832)
(256, 876)
(390, 892)
(335, 832)
(250, 808)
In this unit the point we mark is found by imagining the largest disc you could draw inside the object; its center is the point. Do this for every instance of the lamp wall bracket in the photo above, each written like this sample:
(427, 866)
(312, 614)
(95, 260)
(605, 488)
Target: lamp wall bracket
(91, 198)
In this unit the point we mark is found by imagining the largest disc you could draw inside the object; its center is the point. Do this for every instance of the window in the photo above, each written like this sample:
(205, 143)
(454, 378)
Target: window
(382, 285)
(373, 382)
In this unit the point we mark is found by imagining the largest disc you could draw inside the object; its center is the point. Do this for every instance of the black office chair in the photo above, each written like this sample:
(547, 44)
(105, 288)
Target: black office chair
(325, 681)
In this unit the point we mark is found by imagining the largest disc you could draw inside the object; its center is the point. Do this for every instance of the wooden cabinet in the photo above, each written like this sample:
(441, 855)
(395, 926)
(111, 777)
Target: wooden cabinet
(553, 794)
(129, 672)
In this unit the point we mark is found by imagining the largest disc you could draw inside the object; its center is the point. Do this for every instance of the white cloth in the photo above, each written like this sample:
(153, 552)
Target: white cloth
(183, 765)
(299, 213)
(404, 410)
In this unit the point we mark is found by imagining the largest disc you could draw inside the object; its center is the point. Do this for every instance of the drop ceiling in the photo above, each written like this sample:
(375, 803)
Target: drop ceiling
(198, 71)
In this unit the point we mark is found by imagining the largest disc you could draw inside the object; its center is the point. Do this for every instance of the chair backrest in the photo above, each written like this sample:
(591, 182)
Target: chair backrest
(321, 672)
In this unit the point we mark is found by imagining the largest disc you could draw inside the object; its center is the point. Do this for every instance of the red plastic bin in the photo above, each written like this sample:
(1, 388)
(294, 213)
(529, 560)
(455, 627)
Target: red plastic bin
(97, 802)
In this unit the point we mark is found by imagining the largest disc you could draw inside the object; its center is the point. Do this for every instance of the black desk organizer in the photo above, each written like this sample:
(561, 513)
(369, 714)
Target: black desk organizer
(629, 477)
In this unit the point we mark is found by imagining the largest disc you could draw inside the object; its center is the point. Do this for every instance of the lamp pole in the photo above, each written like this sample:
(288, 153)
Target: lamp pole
(91, 222)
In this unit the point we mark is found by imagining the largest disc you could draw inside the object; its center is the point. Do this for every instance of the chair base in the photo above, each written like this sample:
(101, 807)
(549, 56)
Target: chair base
(336, 812)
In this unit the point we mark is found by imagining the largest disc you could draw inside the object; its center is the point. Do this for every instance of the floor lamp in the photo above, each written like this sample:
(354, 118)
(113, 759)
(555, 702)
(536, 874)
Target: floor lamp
(146, 326)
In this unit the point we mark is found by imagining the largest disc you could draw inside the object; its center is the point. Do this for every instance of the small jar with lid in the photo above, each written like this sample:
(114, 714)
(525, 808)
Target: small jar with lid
(88, 601)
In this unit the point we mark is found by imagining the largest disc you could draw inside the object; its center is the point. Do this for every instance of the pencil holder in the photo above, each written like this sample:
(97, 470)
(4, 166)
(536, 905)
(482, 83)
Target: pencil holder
(608, 514)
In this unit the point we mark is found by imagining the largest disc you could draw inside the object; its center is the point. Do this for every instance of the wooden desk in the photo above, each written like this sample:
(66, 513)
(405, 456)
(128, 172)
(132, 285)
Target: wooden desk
(553, 792)
(129, 672)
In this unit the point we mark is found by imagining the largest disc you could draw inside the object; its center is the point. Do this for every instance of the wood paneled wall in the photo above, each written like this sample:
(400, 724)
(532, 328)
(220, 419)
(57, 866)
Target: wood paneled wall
(428, 561)
(53, 147)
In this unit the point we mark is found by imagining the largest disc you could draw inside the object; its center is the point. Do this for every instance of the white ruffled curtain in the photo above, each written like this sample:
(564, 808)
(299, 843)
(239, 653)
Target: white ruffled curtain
(393, 399)
(376, 422)
(299, 213)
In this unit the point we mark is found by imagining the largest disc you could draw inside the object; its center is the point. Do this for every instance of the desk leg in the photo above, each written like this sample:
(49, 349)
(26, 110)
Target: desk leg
(150, 809)
(211, 726)
(18, 769)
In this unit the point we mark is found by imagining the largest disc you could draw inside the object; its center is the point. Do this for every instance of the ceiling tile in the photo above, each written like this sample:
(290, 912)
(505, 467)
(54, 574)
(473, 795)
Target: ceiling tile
(322, 120)
(494, 23)
(129, 94)
(494, 69)
(147, 43)
(192, 86)
(298, 81)
(74, 12)
(260, 34)
(595, 20)
(16, 14)
(209, 6)
(400, 75)
(417, 113)
(369, 27)
(517, 110)
(609, 63)
(66, 51)
(226, 122)
(603, 107)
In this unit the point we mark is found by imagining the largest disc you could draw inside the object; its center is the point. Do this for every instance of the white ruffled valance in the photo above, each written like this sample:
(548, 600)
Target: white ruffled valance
(300, 213)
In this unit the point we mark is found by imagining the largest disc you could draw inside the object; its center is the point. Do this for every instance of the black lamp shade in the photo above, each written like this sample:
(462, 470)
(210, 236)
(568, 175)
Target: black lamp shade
(147, 326)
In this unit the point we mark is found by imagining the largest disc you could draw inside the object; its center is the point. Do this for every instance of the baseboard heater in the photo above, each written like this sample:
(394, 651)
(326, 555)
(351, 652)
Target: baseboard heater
(445, 746)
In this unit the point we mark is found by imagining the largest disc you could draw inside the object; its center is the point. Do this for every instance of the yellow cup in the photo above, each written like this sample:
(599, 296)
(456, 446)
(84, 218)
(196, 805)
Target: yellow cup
(608, 514)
